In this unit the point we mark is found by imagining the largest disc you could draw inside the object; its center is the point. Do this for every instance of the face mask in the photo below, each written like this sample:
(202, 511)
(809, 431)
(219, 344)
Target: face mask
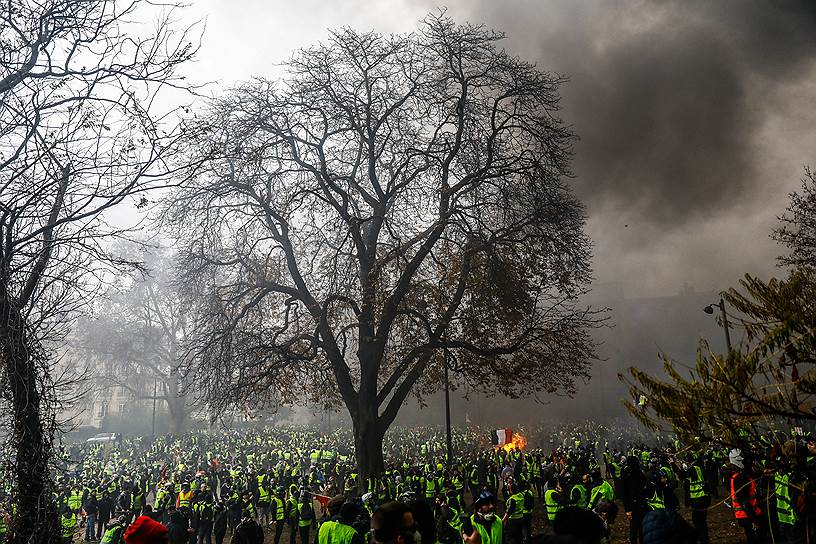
(489, 516)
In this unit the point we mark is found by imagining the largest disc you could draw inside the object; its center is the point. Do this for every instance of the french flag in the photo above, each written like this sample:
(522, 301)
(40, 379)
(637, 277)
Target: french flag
(500, 437)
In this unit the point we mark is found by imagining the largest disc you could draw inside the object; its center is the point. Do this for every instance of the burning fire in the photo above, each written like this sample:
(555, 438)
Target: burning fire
(519, 442)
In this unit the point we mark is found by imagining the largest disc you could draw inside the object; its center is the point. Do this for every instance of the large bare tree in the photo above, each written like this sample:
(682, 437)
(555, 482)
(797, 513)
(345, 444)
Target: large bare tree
(78, 136)
(135, 337)
(392, 203)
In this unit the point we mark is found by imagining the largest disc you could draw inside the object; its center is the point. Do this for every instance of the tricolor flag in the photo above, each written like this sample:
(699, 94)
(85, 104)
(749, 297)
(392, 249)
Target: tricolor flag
(500, 437)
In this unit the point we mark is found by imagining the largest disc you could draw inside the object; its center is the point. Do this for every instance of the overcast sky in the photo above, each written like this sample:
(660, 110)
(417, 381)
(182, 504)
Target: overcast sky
(695, 117)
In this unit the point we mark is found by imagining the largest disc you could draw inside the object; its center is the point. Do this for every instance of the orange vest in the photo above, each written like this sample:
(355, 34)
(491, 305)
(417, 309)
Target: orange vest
(753, 504)
(184, 499)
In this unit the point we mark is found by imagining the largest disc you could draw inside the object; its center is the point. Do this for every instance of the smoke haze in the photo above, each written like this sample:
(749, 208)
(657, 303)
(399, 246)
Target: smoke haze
(695, 118)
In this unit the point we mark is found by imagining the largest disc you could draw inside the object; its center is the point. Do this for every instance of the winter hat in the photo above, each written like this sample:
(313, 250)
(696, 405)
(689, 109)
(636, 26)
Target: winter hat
(146, 531)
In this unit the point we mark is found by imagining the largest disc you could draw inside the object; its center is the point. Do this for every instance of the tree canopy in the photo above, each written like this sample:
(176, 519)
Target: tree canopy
(392, 200)
(769, 381)
(798, 225)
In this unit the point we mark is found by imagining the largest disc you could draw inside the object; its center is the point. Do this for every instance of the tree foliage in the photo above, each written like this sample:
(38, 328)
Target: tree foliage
(798, 228)
(767, 382)
(391, 200)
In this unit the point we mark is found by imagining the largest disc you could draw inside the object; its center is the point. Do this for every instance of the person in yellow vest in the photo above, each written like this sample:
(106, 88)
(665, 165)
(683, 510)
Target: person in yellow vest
(484, 522)
(264, 503)
(75, 498)
(292, 514)
(699, 496)
(788, 488)
(164, 498)
(527, 518)
(278, 511)
(338, 528)
(600, 489)
(554, 499)
(513, 513)
(185, 496)
(114, 530)
(306, 516)
(68, 522)
(579, 496)
(448, 518)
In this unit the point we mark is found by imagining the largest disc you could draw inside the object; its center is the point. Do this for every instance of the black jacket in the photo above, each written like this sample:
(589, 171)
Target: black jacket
(248, 532)
(633, 483)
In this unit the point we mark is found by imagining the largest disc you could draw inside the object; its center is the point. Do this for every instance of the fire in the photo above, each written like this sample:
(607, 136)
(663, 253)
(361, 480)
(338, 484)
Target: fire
(519, 442)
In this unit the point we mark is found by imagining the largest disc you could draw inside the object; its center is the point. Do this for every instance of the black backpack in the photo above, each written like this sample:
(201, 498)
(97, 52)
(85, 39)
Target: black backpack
(206, 513)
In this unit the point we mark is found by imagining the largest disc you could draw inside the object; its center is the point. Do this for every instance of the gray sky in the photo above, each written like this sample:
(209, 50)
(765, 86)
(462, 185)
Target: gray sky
(695, 117)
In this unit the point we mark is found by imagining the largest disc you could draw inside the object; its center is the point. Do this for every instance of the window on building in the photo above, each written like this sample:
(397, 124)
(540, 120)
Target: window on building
(122, 408)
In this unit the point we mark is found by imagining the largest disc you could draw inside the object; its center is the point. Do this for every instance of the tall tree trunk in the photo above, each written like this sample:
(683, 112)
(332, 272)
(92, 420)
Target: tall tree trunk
(368, 441)
(35, 519)
(176, 406)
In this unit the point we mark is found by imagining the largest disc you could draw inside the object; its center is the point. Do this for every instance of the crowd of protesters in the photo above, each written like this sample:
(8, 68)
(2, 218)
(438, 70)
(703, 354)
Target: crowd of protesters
(302, 486)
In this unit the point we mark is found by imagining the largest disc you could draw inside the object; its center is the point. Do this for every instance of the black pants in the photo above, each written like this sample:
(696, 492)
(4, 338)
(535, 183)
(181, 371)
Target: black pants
(278, 531)
(526, 528)
(538, 483)
(204, 533)
(792, 534)
(293, 530)
(636, 527)
(699, 518)
(512, 533)
(304, 534)
(233, 520)
(101, 520)
(220, 534)
(752, 536)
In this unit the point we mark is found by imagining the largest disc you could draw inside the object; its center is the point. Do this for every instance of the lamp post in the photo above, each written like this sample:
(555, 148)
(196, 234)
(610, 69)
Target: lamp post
(710, 310)
(448, 441)
(153, 427)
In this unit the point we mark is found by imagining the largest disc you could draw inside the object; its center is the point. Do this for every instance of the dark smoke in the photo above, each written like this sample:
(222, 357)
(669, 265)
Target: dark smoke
(668, 99)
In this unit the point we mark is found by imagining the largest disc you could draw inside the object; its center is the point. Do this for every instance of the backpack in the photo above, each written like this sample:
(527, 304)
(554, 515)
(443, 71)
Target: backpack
(206, 513)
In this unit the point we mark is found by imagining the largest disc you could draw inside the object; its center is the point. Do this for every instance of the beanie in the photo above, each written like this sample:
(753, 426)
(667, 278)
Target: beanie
(146, 531)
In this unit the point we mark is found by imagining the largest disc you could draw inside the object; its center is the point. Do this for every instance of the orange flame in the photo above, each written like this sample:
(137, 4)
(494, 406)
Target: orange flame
(518, 442)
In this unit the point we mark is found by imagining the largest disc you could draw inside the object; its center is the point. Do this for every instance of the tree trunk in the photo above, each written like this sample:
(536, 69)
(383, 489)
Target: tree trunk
(177, 407)
(35, 517)
(368, 441)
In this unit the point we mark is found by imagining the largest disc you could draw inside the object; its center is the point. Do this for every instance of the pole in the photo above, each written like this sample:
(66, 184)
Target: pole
(725, 325)
(449, 442)
(154, 408)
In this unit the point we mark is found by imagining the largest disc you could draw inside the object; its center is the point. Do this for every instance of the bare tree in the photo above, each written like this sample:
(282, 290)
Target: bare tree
(78, 136)
(798, 226)
(136, 334)
(392, 201)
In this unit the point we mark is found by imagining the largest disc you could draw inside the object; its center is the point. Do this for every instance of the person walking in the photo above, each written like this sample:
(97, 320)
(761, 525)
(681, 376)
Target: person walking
(744, 495)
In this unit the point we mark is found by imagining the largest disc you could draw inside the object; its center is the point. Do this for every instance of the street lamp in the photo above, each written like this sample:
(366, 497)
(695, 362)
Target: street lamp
(710, 310)
(448, 441)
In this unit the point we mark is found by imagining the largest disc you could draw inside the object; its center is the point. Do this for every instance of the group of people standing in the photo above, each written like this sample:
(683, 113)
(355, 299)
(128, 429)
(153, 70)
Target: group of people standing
(302, 487)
